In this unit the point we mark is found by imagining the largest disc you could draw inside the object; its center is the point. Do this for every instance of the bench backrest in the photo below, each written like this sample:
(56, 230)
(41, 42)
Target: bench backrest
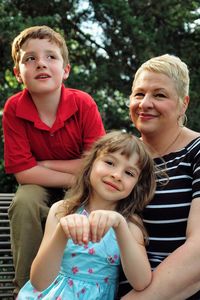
(6, 261)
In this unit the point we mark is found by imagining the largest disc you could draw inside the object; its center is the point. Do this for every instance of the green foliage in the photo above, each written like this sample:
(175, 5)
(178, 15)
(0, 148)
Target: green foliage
(103, 64)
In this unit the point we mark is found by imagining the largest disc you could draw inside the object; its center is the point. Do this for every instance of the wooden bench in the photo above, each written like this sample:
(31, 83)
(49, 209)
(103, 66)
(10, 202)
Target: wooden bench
(6, 261)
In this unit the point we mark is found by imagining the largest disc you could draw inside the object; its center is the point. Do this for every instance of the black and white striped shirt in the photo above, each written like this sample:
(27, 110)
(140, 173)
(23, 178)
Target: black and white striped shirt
(165, 218)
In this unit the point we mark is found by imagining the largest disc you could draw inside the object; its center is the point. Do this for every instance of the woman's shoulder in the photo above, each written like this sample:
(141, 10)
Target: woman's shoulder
(189, 138)
(190, 134)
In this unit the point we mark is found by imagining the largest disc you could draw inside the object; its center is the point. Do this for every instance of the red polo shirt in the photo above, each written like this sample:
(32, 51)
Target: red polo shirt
(28, 140)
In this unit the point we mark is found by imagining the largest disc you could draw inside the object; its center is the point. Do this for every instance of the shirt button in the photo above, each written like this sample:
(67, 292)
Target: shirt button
(51, 134)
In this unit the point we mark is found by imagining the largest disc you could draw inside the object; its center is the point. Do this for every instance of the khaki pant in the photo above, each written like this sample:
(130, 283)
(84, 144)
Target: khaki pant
(27, 213)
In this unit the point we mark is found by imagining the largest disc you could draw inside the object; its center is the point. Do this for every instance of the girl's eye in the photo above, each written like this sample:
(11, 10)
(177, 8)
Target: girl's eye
(129, 173)
(109, 162)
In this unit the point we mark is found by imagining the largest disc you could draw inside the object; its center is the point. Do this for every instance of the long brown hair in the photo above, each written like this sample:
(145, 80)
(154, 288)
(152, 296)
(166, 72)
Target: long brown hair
(79, 195)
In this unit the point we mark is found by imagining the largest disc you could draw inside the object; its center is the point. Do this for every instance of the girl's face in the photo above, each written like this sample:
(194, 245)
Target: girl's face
(113, 177)
(154, 105)
(41, 67)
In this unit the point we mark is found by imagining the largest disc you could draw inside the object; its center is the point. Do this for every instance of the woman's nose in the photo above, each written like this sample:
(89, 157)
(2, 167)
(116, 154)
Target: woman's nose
(146, 101)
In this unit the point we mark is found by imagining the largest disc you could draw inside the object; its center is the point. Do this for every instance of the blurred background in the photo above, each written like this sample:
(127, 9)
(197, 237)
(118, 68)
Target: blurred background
(107, 40)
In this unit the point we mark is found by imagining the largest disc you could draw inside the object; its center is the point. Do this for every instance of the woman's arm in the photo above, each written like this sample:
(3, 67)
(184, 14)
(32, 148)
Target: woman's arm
(178, 276)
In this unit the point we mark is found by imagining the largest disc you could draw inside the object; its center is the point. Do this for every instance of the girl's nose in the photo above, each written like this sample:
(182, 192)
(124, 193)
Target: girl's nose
(117, 174)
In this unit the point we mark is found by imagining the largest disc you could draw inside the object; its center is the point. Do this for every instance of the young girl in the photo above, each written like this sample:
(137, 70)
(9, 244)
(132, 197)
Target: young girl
(98, 225)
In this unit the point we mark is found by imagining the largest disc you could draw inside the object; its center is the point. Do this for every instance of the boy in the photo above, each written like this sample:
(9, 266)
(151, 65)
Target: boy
(46, 127)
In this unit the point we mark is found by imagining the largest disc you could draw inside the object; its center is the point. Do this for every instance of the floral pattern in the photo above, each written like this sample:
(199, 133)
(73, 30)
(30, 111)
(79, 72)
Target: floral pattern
(88, 272)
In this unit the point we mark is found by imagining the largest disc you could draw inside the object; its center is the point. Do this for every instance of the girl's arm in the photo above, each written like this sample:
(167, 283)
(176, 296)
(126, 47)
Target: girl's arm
(178, 276)
(130, 239)
(46, 264)
(133, 255)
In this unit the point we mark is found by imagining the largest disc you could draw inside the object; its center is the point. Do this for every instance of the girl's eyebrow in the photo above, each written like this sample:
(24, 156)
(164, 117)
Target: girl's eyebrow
(130, 167)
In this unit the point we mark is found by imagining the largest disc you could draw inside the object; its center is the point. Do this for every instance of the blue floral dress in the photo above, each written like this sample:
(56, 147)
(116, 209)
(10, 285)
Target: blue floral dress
(88, 272)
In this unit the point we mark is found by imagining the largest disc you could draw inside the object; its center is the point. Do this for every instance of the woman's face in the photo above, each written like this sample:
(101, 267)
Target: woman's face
(154, 105)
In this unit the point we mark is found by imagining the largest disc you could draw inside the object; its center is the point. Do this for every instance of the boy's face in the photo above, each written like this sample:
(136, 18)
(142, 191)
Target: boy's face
(41, 67)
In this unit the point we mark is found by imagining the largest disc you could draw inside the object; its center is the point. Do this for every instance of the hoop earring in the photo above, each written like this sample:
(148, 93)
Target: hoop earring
(182, 120)
(185, 119)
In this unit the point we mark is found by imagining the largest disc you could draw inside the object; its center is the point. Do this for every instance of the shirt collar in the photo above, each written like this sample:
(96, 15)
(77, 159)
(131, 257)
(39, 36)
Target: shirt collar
(27, 110)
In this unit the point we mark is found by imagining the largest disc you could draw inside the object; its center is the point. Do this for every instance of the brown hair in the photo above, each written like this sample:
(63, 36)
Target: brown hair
(79, 195)
(39, 32)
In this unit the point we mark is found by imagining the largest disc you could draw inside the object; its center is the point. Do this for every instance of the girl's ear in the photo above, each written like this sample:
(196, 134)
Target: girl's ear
(66, 72)
(17, 74)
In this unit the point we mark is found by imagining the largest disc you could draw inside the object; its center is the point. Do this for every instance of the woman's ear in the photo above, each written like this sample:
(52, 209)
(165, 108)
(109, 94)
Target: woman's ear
(66, 72)
(17, 74)
(185, 104)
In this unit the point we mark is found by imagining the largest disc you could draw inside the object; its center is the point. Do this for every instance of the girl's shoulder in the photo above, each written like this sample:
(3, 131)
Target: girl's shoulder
(135, 227)
(58, 209)
(57, 204)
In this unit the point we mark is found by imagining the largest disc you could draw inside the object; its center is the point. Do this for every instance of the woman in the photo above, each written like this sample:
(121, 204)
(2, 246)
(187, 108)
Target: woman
(159, 100)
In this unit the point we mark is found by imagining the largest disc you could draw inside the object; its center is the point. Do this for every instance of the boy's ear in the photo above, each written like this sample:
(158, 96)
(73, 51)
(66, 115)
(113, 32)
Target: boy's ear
(17, 75)
(66, 72)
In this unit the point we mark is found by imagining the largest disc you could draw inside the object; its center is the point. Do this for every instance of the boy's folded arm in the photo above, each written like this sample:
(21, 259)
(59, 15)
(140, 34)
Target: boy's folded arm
(45, 177)
(71, 166)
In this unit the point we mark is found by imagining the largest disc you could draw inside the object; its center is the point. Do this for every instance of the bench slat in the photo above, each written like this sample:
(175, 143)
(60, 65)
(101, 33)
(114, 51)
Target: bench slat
(7, 269)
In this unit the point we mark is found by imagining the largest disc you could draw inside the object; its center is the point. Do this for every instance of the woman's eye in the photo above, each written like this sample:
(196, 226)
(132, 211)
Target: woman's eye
(138, 95)
(160, 95)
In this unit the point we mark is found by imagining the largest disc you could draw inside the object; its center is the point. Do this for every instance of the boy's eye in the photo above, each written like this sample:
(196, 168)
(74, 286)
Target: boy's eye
(51, 57)
(30, 58)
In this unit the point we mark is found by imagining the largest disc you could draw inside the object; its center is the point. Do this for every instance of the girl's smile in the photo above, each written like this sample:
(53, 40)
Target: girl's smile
(113, 177)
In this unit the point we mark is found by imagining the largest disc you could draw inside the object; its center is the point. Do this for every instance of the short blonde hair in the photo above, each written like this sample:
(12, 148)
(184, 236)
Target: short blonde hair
(39, 32)
(173, 67)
